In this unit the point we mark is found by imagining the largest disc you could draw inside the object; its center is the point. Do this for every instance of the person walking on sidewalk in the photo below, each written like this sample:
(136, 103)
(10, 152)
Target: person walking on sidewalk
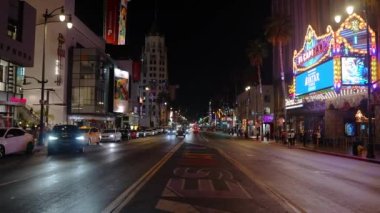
(291, 138)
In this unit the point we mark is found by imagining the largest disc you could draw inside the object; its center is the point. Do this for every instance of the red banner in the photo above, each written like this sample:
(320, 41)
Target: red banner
(112, 24)
(136, 71)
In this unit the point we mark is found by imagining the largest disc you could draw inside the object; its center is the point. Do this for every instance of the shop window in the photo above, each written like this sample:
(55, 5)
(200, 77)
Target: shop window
(12, 30)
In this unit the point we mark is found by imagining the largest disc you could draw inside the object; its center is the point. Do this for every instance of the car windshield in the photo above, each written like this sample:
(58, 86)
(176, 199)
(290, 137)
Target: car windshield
(2, 132)
(65, 128)
(109, 131)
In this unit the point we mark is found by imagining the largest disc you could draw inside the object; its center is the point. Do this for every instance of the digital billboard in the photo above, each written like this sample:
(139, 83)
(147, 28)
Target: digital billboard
(121, 93)
(354, 71)
(317, 78)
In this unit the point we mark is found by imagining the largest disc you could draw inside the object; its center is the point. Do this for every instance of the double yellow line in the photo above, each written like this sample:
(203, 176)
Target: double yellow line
(124, 198)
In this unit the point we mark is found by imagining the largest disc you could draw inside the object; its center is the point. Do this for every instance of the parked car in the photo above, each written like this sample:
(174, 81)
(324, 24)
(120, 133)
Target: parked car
(92, 134)
(111, 135)
(66, 138)
(14, 140)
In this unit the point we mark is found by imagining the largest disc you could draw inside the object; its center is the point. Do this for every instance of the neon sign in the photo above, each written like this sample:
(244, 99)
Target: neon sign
(314, 51)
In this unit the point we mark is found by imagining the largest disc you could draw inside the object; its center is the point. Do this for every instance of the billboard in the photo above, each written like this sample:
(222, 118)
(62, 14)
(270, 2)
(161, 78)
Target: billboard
(111, 28)
(354, 71)
(116, 22)
(122, 22)
(317, 78)
(121, 93)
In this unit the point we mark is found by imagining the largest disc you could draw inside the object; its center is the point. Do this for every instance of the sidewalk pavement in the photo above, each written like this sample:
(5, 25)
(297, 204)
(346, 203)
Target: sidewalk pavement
(347, 153)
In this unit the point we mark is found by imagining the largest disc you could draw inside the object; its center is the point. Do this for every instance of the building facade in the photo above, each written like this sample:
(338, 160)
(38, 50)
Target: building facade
(151, 90)
(17, 21)
(80, 75)
(254, 112)
(327, 99)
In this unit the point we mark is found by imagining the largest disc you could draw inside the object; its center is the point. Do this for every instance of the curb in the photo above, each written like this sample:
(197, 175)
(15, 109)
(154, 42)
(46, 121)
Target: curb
(377, 161)
(340, 155)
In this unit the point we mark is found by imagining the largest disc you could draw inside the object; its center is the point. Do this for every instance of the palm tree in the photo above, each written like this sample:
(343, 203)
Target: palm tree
(257, 50)
(278, 31)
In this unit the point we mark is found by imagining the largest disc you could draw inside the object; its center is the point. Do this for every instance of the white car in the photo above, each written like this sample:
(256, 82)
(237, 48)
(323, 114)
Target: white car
(14, 140)
(111, 135)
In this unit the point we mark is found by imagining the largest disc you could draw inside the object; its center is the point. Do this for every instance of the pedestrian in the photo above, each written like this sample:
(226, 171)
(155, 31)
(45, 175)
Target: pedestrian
(304, 138)
(318, 137)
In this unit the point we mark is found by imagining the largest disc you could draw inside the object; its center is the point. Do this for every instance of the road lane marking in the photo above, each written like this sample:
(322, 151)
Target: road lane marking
(283, 201)
(123, 199)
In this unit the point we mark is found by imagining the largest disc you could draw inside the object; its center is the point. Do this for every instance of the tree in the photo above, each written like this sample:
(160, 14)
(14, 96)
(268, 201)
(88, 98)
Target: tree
(278, 32)
(257, 50)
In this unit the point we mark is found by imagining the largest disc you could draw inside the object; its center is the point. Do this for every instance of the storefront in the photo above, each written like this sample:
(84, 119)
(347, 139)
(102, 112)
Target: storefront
(331, 78)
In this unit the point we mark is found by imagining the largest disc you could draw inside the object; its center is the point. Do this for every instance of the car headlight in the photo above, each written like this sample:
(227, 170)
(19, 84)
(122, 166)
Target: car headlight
(79, 138)
(52, 138)
(111, 136)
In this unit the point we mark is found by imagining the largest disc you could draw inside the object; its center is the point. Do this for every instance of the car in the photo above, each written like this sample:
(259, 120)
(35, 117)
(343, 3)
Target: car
(15, 140)
(111, 135)
(181, 133)
(66, 138)
(92, 135)
(171, 131)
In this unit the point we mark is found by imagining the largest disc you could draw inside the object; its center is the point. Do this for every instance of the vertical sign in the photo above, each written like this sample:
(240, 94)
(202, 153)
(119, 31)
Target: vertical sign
(136, 71)
(122, 22)
(111, 32)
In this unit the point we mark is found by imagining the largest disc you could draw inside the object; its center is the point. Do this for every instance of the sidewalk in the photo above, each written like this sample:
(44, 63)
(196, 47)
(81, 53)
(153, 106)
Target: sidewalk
(346, 153)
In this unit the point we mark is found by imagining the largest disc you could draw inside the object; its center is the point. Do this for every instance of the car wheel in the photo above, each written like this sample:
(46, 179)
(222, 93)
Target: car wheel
(2, 151)
(29, 148)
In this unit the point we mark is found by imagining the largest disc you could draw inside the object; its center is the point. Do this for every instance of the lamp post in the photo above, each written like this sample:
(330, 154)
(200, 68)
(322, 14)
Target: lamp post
(349, 10)
(47, 15)
(370, 151)
(165, 118)
(247, 89)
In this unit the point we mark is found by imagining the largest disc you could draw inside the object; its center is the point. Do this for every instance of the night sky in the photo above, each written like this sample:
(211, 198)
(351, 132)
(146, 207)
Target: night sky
(206, 41)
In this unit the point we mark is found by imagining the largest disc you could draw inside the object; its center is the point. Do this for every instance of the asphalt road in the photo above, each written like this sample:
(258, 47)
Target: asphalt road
(307, 181)
(208, 172)
(77, 182)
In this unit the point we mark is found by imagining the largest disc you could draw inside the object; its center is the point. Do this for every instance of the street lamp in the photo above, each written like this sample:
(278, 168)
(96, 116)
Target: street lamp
(247, 89)
(47, 15)
(350, 10)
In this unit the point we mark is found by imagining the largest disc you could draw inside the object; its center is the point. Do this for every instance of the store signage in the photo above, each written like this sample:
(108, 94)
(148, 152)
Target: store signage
(315, 49)
(318, 78)
(268, 118)
(18, 100)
